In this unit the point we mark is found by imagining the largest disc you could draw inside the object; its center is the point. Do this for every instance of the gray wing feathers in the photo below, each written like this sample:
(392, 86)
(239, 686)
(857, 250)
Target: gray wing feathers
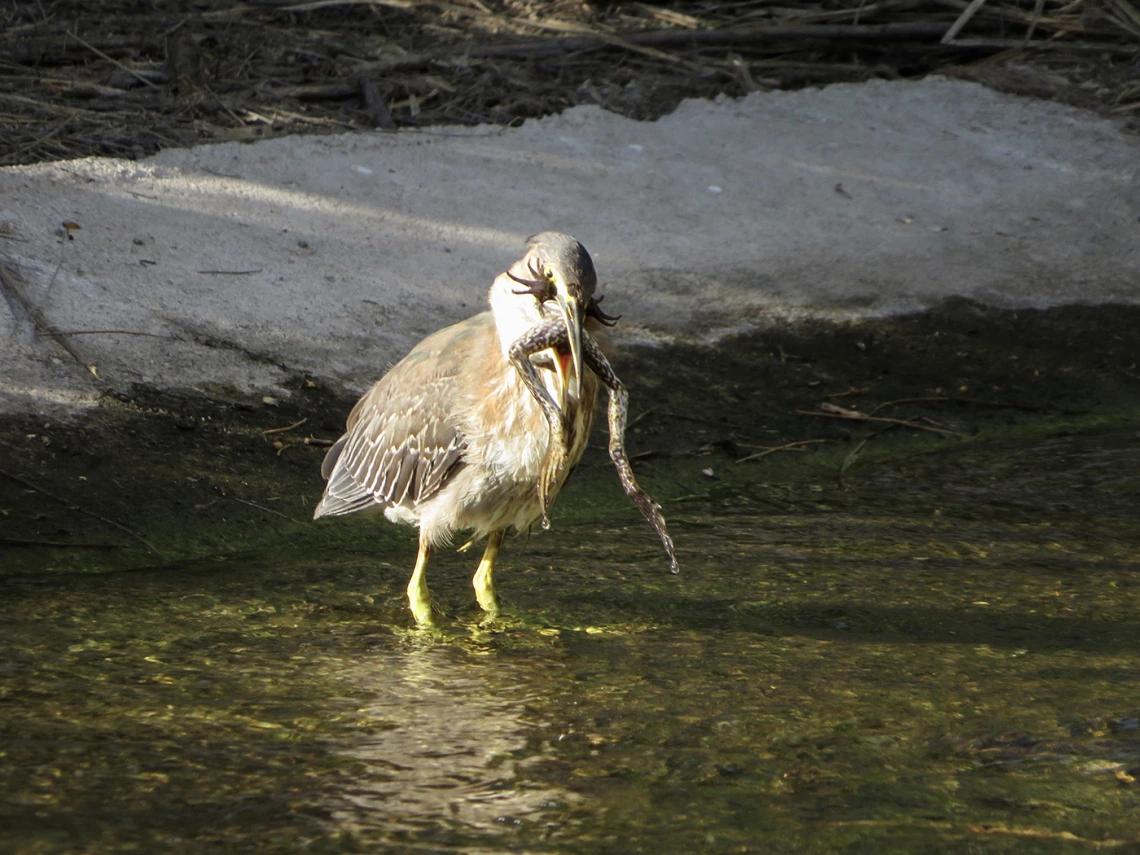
(403, 442)
(331, 457)
(343, 496)
(374, 465)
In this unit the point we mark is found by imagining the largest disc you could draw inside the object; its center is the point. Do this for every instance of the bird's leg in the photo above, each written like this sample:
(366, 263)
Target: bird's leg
(419, 600)
(482, 581)
(547, 334)
(593, 357)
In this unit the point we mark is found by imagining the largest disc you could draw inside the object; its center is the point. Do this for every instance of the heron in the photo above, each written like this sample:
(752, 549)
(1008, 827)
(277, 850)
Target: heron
(480, 425)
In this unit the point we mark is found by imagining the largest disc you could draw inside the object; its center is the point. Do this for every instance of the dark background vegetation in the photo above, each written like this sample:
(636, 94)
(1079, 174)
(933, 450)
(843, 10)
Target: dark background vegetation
(130, 77)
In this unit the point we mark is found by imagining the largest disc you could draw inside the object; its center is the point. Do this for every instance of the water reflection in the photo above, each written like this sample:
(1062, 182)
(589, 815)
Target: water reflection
(449, 734)
(860, 675)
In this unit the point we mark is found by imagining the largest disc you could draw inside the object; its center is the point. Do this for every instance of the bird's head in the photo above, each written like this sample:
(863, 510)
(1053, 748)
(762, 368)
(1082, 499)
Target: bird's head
(561, 272)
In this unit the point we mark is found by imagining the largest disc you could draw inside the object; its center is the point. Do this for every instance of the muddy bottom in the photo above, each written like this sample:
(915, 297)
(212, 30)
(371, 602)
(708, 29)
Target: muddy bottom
(914, 634)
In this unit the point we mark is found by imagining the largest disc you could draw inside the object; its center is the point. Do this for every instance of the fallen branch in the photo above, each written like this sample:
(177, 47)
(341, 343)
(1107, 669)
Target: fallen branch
(907, 401)
(685, 418)
(713, 38)
(114, 61)
(271, 511)
(799, 445)
(341, 90)
(831, 411)
(1083, 47)
(671, 38)
(963, 19)
(854, 390)
(47, 50)
(283, 429)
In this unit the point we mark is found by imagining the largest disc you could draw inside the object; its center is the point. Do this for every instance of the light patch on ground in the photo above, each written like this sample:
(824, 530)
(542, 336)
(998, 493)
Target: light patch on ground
(234, 268)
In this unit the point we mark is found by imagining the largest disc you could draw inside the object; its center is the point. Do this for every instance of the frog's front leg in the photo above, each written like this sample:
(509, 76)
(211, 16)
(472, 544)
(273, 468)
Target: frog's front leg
(545, 335)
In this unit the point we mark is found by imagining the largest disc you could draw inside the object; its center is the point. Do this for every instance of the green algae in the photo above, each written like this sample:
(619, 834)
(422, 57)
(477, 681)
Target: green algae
(929, 647)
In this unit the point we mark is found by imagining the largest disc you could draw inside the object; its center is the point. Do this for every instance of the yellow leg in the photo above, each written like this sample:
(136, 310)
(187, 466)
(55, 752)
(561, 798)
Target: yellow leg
(419, 600)
(483, 581)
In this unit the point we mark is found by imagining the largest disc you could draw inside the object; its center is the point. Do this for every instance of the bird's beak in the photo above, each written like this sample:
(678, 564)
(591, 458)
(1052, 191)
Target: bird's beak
(571, 311)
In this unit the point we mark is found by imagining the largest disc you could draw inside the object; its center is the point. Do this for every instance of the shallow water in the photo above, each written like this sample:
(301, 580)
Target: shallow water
(932, 646)
(936, 658)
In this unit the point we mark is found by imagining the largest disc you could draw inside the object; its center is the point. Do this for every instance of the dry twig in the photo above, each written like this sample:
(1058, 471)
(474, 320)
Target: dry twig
(831, 411)
(799, 445)
(270, 511)
(963, 19)
(283, 429)
(114, 61)
(71, 506)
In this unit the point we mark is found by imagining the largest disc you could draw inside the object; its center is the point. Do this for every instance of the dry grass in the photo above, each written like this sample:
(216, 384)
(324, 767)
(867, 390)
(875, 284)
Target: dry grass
(111, 78)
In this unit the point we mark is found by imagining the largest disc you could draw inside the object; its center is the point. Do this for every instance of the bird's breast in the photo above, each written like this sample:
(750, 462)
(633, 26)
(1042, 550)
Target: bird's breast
(510, 434)
(513, 437)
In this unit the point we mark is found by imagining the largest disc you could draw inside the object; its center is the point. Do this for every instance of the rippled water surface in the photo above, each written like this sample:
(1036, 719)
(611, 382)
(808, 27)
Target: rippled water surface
(936, 658)
(907, 642)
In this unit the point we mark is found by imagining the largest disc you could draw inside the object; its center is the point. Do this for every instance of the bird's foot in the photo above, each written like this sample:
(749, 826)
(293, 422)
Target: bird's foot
(489, 604)
(485, 593)
(424, 618)
(419, 604)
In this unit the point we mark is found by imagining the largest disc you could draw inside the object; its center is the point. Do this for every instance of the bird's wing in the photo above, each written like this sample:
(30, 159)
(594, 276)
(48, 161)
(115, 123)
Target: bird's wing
(403, 441)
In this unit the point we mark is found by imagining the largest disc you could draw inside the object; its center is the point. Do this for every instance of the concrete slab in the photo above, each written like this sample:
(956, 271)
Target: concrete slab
(235, 268)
